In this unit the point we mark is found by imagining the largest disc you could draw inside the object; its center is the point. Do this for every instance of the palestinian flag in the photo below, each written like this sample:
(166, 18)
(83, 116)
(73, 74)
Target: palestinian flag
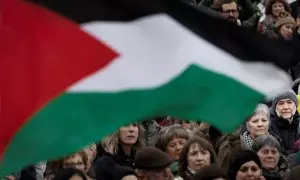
(75, 70)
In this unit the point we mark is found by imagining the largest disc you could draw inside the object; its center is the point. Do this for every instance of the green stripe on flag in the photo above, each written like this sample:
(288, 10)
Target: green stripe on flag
(74, 120)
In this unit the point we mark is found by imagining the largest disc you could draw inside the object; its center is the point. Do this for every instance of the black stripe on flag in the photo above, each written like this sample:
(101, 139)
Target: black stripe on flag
(245, 44)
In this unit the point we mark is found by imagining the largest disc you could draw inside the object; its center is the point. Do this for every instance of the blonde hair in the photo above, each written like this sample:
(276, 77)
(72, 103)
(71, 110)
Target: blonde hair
(111, 143)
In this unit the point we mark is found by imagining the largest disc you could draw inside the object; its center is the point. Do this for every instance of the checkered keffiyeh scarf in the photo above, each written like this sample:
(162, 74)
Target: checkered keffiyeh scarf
(247, 139)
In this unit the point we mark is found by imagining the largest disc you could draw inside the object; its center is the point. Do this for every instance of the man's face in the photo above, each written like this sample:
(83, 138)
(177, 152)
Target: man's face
(285, 108)
(230, 12)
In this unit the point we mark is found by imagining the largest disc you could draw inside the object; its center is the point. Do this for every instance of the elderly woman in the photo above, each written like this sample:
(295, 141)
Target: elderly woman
(268, 149)
(256, 125)
(196, 154)
(171, 140)
(121, 147)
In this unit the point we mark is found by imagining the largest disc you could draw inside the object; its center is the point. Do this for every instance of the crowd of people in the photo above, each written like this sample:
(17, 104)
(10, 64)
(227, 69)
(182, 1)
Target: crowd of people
(265, 147)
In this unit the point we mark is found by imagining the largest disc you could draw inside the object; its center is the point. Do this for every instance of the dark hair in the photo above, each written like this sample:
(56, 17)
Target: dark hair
(204, 144)
(57, 165)
(271, 2)
(210, 172)
(265, 140)
(67, 173)
(226, 2)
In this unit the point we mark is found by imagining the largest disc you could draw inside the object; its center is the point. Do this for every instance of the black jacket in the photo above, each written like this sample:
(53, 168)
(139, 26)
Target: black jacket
(120, 159)
(289, 133)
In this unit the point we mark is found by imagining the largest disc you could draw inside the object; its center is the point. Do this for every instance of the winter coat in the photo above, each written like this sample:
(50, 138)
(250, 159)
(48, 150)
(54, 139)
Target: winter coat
(226, 146)
(289, 133)
(279, 173)
(267, 26)
(121, 159)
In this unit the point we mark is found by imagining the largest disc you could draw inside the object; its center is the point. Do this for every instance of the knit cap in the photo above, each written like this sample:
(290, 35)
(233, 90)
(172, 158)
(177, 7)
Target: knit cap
(239, 159)
(290, 94)
(285, 18)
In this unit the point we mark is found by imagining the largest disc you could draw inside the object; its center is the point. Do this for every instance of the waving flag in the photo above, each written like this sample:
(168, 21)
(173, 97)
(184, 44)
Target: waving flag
(75, 70)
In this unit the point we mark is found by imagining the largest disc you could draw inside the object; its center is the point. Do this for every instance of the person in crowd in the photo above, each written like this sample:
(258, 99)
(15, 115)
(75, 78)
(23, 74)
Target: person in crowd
(151, 130)
(77, 160)
(245, 165)
(152, 163)
(285, 119)
(273, 10)
(40, 169)
(70, 174)
(171, 140)
(210, 133)
(109, 170)
(274, 166)
(294, 174)
(285, 26)
(293, 158)
(227, 146)
(121, 146)
(189, 126)
(211, 172)
(196, 153)
(230, 13)
(257, 125)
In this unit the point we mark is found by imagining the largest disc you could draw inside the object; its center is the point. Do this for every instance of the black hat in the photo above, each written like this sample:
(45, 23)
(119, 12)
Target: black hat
(210, 172)
(152, 159)
(122, 171)
(239, 159)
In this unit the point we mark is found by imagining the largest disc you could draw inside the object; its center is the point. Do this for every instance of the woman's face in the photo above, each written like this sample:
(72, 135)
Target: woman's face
(277, 8)
(269, 157)
(249, 171)
(198, 157)
(258, 125)
(75, 161)
(287, 31)
(129, 134)
(175, 146)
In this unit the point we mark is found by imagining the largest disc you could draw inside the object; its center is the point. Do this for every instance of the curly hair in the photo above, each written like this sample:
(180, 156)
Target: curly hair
(271, 2)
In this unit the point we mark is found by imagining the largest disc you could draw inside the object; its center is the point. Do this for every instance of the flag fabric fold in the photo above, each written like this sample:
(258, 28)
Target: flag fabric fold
(75, 71)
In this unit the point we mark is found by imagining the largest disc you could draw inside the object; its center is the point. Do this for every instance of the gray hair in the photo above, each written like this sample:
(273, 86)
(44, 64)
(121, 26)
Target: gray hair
(265, 140)
(166, 134)
(260, 109)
